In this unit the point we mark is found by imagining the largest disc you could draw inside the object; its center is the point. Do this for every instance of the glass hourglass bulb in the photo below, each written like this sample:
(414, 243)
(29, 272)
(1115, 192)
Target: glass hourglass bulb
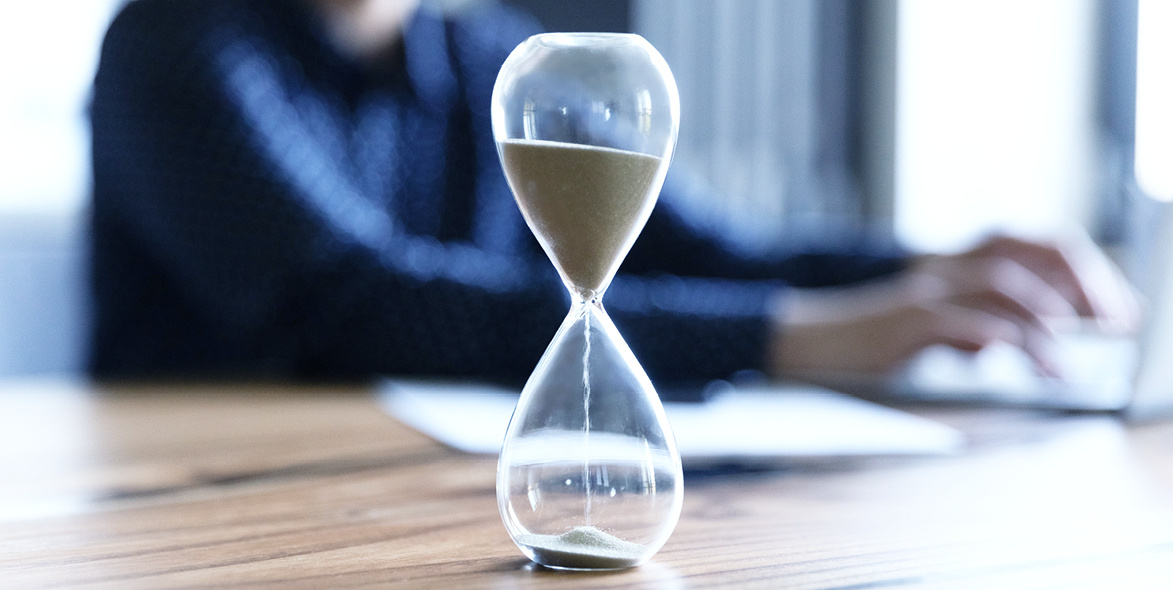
(589, 476)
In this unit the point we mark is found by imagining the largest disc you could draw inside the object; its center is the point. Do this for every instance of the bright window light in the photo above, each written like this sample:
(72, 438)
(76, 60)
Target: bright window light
(1154, 99)
(48, 51)
(995, 118)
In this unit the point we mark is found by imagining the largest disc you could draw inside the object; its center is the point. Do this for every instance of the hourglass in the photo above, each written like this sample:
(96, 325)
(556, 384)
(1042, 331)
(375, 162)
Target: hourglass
(589, 476)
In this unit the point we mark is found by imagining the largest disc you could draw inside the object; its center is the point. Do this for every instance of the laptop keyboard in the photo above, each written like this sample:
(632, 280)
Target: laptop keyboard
(1092, 370)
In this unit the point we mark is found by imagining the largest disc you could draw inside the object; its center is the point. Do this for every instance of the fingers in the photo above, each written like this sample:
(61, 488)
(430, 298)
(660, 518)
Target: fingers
(972, 329)
(965, 328)
(1111, 298)
(999, 287)
(1079, 271)
(969, 302)
(1050, 262)
(875, 329)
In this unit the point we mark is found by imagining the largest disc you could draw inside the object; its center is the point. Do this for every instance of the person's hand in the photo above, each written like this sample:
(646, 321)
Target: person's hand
(1006, 289)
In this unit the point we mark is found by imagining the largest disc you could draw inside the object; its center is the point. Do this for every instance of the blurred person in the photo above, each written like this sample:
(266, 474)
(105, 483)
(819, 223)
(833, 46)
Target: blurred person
(311, 189)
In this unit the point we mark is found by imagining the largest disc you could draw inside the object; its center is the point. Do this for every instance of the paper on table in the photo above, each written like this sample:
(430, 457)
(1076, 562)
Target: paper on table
(760, 423)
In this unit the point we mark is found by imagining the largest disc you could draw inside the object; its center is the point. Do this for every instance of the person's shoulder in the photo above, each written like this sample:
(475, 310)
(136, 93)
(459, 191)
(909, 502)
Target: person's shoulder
(490, 30)
(159, 9)
(174, 23)
(161, 17)
(148, 30)
(176, 37)
(482, 37)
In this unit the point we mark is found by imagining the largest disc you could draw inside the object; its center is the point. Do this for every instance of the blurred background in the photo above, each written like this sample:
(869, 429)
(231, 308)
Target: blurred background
(931, 122)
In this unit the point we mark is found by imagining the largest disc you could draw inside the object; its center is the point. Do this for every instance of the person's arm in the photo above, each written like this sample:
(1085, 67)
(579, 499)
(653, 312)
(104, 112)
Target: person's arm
(684, 242)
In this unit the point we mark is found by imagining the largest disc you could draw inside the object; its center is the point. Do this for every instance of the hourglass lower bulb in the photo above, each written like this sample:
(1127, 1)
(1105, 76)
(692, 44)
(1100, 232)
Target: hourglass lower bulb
(589, 476)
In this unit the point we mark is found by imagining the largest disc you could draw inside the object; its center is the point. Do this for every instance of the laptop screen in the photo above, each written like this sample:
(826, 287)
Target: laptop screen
(1153, 393)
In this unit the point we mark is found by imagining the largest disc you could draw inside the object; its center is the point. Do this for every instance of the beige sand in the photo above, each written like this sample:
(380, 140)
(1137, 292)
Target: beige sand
(584, 547)
(585, 204)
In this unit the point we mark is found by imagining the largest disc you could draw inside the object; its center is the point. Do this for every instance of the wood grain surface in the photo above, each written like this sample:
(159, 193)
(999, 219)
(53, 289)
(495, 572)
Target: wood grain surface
(271, 485)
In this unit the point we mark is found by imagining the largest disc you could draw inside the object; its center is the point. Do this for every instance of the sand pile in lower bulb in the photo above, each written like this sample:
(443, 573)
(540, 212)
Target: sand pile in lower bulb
(584, 547)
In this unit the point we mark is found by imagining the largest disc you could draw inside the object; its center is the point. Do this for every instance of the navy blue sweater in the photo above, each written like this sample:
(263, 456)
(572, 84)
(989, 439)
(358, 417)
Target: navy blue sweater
(265, 208)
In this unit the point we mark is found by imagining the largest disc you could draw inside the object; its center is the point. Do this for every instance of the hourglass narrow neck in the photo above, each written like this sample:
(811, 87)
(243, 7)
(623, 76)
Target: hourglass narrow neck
(586, 296)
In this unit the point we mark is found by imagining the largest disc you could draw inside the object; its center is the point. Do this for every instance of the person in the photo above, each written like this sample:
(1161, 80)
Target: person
(310, 189)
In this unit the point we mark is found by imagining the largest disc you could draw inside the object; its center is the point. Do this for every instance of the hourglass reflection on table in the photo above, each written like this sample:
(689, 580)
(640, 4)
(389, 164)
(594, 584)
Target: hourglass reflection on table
(589, 476)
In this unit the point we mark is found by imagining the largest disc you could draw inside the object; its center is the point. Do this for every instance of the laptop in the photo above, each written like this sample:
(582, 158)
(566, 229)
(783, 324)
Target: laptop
(1127, 374)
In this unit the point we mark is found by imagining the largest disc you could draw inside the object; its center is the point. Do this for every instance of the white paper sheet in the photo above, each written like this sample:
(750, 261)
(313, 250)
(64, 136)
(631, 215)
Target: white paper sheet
(762, 423)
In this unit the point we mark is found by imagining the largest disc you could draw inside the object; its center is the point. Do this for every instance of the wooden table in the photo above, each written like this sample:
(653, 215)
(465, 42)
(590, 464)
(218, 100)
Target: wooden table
(271, 485)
